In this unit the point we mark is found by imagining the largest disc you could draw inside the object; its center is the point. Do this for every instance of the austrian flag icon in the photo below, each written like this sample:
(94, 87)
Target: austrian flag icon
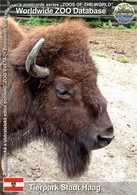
(13, 184)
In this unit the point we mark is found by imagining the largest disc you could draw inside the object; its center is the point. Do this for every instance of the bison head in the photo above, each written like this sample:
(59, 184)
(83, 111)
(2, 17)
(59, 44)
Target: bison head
(66, 102)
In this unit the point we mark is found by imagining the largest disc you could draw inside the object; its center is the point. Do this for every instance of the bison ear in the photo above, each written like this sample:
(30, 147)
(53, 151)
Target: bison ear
(31, 67)
(15, 33)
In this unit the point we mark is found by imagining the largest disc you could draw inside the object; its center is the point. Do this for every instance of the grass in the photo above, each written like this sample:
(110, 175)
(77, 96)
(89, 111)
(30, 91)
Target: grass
(134, 27)
(98, 23)
(124, 60)
(94, 23)
(122, 27)
(36, 21)
(113, 58)
(100, 54)
(104, 55)
(108, 25)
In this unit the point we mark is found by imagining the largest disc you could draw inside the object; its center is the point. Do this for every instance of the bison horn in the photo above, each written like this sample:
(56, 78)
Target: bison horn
(31, 67)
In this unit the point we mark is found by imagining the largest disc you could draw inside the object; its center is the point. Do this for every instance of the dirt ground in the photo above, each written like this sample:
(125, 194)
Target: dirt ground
(118, 82)
(115, 43)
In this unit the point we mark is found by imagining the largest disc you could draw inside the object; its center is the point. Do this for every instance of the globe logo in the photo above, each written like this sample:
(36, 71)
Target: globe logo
(124, 13)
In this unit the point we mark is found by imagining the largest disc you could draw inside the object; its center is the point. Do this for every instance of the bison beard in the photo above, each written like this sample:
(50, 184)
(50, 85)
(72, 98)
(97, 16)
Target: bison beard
(54, 94)
(74, 157)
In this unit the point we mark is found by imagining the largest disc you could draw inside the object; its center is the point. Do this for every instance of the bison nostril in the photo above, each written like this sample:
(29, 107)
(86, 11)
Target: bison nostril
(104, 140)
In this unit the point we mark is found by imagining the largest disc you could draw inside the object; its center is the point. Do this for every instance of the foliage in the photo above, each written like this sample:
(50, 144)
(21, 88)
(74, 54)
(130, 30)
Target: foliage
(134, 27)
(124, 60)
(95, 23)
(122, 27)
(105, 25)
(22, 21)
(36, 21)
(100, 54)
(108, 25)
(113, 58)
(92, 22)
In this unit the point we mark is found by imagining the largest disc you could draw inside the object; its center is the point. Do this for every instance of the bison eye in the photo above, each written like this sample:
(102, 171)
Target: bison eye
(63, 93)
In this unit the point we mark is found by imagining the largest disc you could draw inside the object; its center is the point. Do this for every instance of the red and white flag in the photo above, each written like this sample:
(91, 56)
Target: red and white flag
(13, 184)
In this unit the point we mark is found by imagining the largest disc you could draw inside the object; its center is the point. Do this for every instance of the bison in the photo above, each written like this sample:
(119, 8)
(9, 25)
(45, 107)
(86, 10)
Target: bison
(53, 94)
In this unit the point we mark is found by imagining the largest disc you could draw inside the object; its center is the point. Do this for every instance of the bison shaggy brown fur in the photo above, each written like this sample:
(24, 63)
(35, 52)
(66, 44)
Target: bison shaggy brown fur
(66, 106)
